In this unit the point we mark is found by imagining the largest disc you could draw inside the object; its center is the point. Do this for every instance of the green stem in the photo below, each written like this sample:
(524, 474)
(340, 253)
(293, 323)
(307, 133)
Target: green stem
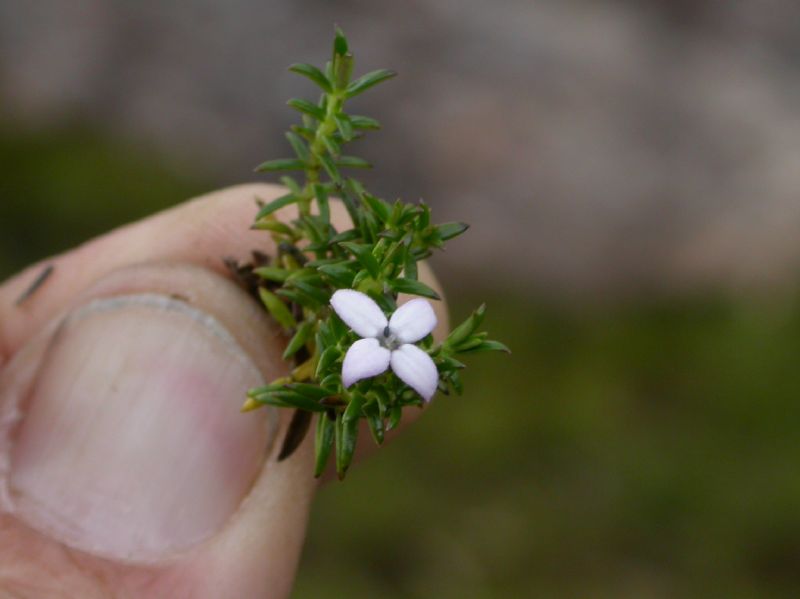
(317, 148)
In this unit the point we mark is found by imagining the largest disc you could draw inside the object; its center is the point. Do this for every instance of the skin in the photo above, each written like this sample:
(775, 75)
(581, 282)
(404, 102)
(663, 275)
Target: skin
(178, 251)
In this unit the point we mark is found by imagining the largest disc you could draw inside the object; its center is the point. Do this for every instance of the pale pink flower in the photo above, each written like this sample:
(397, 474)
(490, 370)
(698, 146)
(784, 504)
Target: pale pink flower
(387, 342)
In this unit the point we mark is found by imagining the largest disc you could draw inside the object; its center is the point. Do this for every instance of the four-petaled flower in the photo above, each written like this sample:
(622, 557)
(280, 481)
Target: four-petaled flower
(387, 342)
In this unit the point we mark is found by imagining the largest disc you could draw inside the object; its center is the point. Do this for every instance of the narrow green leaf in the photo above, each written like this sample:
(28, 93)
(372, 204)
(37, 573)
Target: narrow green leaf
(270, 224)
(342, 70)
(299, 146)
(344, 126)
(485, 346)
(299, 339)
(447, 364)
(363, 254)
(402, 285)
(264, 389)
(348, 434)
(276, 204)
(378, 206)
(364, 122)
(348, 235)
(293, 185)
(395, 414)
(352, 162)
(299, 297)
(410, 267)
(277, 308)
(306, 132)
(367, 81)
(450, 230)
(281, 164)
(327, 358)
(322, 203)
(306, 107)
(340, 45)
(376, 424)
(342, 276)
(318, 293)
(272, 273)
(466, 328)
(333, 147)
(424, 215)
(323, 443)
(314, 392)
(314, 74)
(289, 399)
(330, 168)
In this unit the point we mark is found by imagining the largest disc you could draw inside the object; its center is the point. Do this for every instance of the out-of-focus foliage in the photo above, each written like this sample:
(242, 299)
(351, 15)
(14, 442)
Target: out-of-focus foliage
(639, 450)
(59, 188)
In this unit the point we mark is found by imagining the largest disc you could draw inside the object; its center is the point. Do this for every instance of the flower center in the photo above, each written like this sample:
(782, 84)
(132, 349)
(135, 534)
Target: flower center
(388, 339)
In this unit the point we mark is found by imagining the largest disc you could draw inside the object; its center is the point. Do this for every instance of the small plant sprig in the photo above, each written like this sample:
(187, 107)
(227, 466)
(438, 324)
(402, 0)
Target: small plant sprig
(330, 290)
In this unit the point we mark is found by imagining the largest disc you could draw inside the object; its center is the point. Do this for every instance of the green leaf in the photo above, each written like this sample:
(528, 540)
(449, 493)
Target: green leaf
(316, 292)
(299, 297)
(348, 434)
(343, 70)
(450, 230)
(276, 204)
(342, 276)
(322, 202)
(413, 287)
(306, 107)
(299, 146)
(364, 122)
(377, 205)
(323, 443)
(344, 126)
(277, 308)
(330, 168)
(410, 267)
(281, 164)
(447, 364)
(288, 399)
(305, 132)
(424, 215)
(395, 413)
(375, 421)
(299, 339)
(466, 328)
(348, 235)
(270, 224)
(272, 273)
(352, 162)
(314, 392)
(367, 81)
(363, 254)
(485, 346)
(328, 357)
(340, 45)
(314, 74)
(333, 147)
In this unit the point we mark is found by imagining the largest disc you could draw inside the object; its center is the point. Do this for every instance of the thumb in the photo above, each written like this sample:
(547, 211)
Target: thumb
(131, 451)
(126, 468)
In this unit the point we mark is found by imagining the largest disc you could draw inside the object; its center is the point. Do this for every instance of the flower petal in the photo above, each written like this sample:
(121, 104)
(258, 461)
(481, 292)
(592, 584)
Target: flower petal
(359, 312)
(416, 369)
(364, 359)
(413, 320)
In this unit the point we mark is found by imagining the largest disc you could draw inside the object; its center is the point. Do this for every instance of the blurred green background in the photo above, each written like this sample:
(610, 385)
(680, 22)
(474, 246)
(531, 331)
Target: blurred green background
(636, 448)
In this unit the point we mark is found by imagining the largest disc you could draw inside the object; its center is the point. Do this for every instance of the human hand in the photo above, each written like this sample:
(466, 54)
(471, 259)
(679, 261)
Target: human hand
(126, 468)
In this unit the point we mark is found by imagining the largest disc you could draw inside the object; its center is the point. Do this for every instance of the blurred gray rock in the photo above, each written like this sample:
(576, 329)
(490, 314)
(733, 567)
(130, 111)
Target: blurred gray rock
(595, 146)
